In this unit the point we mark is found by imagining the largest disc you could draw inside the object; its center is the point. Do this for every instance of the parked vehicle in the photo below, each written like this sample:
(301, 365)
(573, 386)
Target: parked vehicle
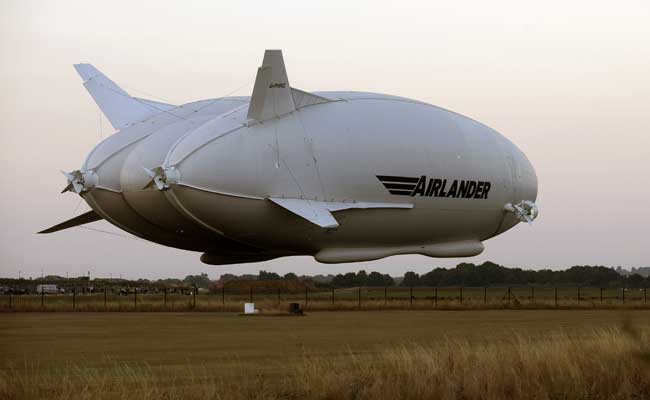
(49, 289)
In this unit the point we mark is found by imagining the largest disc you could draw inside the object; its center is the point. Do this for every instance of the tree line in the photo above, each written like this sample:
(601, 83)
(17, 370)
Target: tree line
(491, 274)
(464, 274)
(468, 274)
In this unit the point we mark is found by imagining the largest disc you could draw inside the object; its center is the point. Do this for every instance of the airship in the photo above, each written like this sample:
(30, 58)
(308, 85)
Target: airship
(342, 176)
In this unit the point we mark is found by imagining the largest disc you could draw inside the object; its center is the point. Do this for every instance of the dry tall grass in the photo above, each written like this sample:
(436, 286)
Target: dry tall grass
(608, 367)
(612, 364)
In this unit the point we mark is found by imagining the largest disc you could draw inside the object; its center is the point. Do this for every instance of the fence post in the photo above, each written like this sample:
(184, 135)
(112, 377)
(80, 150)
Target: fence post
(508, 296)
(556, 297)
(601, 295)
(251, 298)
(74, 298)
(385, 295)
(196, 289)
(135, 299)
(485, 295)
(306, 298)
(436, 297)
(359, 298)
(332, 296)
(623, 289)
(411, 298)
(578, 295)
(532, 294)
(461, 295)
(42, 295)
(10, 290)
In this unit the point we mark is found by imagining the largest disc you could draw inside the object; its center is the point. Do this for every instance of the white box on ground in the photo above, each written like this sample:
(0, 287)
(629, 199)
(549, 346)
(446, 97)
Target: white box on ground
(249, 308)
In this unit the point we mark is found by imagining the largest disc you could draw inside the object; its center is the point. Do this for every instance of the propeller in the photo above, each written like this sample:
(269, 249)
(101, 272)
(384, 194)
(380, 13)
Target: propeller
(525, 211)
(161, 177)
(79, 181)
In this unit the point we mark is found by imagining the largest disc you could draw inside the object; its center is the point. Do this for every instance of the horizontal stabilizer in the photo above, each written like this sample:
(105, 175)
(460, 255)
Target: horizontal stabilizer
(118, 106)
(86, 218)
(320, 212)
(313, 211)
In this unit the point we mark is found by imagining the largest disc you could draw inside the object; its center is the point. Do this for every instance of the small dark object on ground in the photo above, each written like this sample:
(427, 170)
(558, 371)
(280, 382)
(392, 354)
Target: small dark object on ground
(295, 308)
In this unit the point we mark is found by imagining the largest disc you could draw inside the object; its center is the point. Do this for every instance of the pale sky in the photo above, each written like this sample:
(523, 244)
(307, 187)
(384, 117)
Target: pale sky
(567, 81)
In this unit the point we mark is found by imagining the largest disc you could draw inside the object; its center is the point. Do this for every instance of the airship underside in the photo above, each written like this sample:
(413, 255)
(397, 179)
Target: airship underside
(342, 176)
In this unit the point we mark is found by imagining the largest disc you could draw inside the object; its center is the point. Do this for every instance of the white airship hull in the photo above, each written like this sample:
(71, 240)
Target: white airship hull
(342, 176)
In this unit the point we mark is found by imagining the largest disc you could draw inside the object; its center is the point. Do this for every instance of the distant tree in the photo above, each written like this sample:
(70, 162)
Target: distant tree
(201, 281)
(347, 280)
(375, 279)
(361, 279)
(169, 281)
(411, 279)
(228, 277)
(325, 279)
(291, 276)
(268, 276)
(635, 281)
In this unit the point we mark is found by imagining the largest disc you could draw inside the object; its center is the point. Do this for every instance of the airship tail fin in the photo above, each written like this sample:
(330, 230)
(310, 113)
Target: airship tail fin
(271, 92)
(85, 218)
(118, 106)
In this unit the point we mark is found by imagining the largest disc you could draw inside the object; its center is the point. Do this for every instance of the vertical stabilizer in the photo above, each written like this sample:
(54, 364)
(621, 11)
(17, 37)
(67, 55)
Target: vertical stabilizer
(272, 95)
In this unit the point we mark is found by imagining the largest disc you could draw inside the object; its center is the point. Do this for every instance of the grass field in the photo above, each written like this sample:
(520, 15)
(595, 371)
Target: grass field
(326, 354)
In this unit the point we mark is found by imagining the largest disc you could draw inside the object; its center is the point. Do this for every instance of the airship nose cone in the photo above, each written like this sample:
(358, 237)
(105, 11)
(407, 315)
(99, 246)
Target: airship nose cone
(522, 175)
(521, 206)
(528, 180)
